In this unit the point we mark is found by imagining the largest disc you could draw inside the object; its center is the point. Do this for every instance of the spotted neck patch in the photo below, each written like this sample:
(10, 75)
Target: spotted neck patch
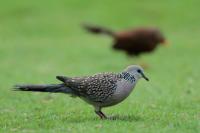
(128, 77)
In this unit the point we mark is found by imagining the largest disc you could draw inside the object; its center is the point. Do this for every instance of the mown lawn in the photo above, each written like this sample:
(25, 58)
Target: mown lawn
(41, 39)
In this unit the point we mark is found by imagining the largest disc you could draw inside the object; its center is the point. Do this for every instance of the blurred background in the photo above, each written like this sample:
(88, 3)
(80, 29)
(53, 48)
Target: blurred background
(40, 39)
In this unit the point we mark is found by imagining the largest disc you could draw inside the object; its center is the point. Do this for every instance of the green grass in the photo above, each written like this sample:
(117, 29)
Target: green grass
(42, 39)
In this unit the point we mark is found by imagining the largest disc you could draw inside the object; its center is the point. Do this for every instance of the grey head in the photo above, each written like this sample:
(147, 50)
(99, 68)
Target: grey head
(137, 71)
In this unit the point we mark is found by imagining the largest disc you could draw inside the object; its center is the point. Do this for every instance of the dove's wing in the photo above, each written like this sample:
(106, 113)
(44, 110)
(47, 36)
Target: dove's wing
(96, 88)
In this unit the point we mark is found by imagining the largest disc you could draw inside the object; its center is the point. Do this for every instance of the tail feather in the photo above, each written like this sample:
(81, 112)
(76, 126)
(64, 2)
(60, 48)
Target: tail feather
(62, 78)
(99, 30)
(53, 88)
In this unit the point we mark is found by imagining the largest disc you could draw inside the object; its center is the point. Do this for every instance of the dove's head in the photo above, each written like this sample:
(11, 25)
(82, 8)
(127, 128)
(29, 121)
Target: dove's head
(136, 71)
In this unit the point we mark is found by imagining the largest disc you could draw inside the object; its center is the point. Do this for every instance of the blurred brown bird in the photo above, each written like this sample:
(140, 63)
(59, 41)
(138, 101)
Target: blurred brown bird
(133, 42)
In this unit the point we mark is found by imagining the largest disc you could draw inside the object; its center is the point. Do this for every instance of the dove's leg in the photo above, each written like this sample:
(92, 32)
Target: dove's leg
(104, 116)
(99, 113)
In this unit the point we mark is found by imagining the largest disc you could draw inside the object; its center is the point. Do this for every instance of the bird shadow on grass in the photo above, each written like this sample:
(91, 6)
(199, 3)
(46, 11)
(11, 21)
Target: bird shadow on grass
(129, 118)
(126, 118)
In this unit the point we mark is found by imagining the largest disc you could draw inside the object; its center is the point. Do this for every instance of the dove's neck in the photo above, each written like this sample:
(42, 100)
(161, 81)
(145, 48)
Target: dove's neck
(130, 77)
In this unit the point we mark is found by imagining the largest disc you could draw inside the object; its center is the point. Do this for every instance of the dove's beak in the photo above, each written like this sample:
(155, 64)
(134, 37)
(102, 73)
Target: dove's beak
(147, 79)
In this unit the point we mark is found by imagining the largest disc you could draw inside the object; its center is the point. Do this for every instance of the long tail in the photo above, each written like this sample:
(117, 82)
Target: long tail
(98, 30)
(53, 88)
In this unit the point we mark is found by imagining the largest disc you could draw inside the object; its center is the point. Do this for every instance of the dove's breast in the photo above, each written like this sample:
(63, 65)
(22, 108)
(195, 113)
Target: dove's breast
(123, 90)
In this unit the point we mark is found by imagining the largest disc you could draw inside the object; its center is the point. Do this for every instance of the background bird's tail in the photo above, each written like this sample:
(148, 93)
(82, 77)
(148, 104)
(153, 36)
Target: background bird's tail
(98, 30)
(53, 88)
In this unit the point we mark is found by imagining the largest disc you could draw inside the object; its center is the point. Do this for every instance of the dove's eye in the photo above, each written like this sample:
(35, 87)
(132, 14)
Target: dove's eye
(139, 71)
